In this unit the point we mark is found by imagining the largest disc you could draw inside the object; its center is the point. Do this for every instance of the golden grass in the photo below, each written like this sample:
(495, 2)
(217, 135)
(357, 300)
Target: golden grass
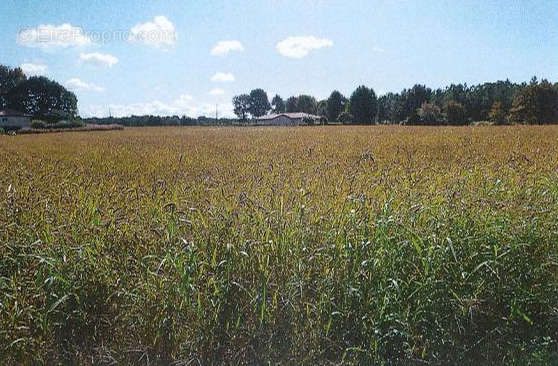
(293, 245)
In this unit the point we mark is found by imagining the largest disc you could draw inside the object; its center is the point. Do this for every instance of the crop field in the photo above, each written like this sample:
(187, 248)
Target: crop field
(311, 245)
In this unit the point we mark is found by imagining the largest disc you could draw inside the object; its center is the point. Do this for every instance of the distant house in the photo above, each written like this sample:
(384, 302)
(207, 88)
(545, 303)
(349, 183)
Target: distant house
(286, 119)
(14, 119)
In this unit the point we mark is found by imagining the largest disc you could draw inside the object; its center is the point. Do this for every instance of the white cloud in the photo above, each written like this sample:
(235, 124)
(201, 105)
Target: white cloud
(378, 49)
(33, 69)
(183, 105)
(47, 36)
(221, 77)
(298, 47)
(222, 48)
(78, 85)
(216, 92)
(158, 33)
(99, 59)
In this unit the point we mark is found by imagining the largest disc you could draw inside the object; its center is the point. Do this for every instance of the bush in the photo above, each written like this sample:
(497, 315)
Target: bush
(38, 124)
(308, 121)
(2, 132)
(345, 118)
(67, 124)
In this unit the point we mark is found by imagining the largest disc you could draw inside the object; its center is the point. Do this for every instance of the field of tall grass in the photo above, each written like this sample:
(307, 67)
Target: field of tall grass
(320, 245)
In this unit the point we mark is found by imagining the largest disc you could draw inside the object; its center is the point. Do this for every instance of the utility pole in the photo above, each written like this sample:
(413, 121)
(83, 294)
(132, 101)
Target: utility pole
(216, 113)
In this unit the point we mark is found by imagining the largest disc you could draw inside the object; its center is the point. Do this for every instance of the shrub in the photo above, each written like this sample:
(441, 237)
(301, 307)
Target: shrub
(308, 121)
(38, 124)
(67, 124)
(2, 132)
(345, 118)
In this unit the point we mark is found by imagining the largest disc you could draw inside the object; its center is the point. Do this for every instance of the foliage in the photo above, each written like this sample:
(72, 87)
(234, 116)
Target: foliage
(291, 104)
(321, 109)
(37, 123)
(2, 132)
(139, 121)
(498, 114)
(412, 100)
(335, 105)
(278, 104)
(306, 104)
(339, 245)
(345, 117)
(9, 79)
(42, 97)
(242, 104)
(455, 113)
(536, 103)
(430, 114)
(259, 104)
(363, 105)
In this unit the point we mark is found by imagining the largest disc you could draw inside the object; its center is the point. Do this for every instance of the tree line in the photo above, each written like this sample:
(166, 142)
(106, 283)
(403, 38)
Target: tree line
(38, 96)
(500, 102)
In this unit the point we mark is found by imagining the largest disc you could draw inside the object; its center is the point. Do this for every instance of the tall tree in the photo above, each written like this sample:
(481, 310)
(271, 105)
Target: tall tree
(9, 79)
(430, 114)
(335, 105)
(291, 105)
(306, 104)
(497, 113)
(455, 112)
(536, 103)
(42, 98)
(322, 109)
(259, 104)
(413, 100)
(278, 104)
(241, 104)
(362, 105)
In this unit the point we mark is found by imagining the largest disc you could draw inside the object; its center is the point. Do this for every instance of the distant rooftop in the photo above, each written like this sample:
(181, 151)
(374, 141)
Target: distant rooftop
(297, 115)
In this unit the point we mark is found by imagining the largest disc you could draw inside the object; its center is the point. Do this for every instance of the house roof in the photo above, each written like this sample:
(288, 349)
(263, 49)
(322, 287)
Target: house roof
(13, 113)
(297, 115)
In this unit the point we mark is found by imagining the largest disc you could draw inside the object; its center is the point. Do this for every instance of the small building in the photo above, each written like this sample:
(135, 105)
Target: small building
(286, 119)
(14, 119)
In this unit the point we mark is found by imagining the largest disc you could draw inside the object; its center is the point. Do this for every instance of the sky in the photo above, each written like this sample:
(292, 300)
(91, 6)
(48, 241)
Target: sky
(180, 57)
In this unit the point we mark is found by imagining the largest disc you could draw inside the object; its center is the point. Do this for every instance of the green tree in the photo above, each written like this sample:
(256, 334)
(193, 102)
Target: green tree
(259, 104)
(278, 104)
(291, 105)
(412, 100)
(306, 104)
(241, 104)
(9, 79)
(430, 114)
(497, 113)
(335, 105)
(322, 108)
(455, 113)
(363, 105)
(43, 98)
(536, 103)
(345, 117)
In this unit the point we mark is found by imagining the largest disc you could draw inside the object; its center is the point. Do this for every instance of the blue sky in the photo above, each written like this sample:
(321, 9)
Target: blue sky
(162, 57)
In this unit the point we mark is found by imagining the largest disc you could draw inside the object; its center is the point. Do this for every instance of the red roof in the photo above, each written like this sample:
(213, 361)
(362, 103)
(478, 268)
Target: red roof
(12, 113)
